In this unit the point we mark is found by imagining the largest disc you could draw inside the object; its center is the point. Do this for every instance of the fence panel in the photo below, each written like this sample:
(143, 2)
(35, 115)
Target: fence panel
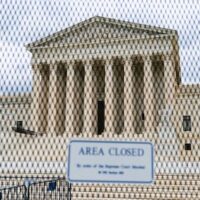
(57, 189)
(13, 193)
(126, 70)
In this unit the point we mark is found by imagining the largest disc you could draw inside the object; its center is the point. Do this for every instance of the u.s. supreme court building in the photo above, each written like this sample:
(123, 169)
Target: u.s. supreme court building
(106, 78)
(127, 71)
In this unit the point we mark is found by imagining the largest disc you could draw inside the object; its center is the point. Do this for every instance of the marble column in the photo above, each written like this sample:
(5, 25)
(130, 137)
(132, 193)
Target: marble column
(148, 95)
(109, 97)
(70, 99)
(169, 80)
(44, 98)
(61, 100)
(52, 99)
(168, 116)
(90, 100)
(36, 92)
(129, 111)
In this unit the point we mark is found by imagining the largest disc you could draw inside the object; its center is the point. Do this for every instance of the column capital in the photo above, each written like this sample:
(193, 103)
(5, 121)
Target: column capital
(88, 62)
(161, 56)
(41, 68)
(109, 60)
(137, 57)
(146, 58)
(38, 66)
(34, 66)
(69, 63)
(127, 60)
(53, 67)
(167, 57)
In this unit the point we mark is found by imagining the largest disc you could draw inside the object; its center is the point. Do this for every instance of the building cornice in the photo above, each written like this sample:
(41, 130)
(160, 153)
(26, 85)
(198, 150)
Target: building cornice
(104, 41)
(97, 19)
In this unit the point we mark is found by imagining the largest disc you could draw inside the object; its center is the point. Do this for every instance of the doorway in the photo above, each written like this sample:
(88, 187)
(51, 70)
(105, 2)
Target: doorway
(101, 116)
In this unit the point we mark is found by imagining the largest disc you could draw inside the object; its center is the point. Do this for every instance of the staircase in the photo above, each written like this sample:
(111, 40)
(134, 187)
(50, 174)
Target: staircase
(165, 187)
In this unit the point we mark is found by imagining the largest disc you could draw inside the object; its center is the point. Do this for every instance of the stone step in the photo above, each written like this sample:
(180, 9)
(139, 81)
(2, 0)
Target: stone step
(160, 179)
(172, 188)
(159, 186)
(161, 195)
(178, 176)
(135, 198)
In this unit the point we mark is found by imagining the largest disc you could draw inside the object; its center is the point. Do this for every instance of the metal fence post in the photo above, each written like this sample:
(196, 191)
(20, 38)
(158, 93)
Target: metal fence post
(26, 194)
(26, 186)
(69, 187)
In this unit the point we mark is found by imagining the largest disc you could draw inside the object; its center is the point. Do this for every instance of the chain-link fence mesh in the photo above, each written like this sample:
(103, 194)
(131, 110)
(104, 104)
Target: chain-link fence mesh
(103, 70)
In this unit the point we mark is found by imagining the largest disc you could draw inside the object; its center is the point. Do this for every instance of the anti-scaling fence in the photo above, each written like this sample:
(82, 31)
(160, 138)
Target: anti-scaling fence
(102, 70)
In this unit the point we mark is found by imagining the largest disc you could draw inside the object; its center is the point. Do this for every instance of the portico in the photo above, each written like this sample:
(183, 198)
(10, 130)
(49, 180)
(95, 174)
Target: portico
(131, 69)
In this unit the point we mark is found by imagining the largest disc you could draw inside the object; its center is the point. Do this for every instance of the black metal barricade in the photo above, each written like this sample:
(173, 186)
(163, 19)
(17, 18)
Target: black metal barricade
(13, 193)
(41, 190)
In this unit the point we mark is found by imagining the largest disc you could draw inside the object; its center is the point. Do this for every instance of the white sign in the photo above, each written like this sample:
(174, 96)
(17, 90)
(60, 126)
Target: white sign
(110, 162)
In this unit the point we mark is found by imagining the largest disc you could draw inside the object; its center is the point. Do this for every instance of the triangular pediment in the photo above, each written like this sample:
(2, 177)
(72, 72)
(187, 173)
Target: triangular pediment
(98, 28)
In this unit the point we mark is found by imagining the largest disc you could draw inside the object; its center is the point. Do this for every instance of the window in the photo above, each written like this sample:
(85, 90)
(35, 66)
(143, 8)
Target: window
(19, 124)
(188, 147)
(187, 126)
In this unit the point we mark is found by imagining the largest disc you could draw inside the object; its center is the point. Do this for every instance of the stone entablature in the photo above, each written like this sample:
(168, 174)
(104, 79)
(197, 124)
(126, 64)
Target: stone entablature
(15, 99)
(99, 28)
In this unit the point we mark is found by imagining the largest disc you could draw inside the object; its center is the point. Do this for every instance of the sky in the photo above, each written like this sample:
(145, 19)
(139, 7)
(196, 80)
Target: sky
(24, 21)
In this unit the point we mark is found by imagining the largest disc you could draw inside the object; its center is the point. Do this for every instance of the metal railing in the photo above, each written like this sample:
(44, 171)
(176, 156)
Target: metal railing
(179, 186)
(45, 190)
